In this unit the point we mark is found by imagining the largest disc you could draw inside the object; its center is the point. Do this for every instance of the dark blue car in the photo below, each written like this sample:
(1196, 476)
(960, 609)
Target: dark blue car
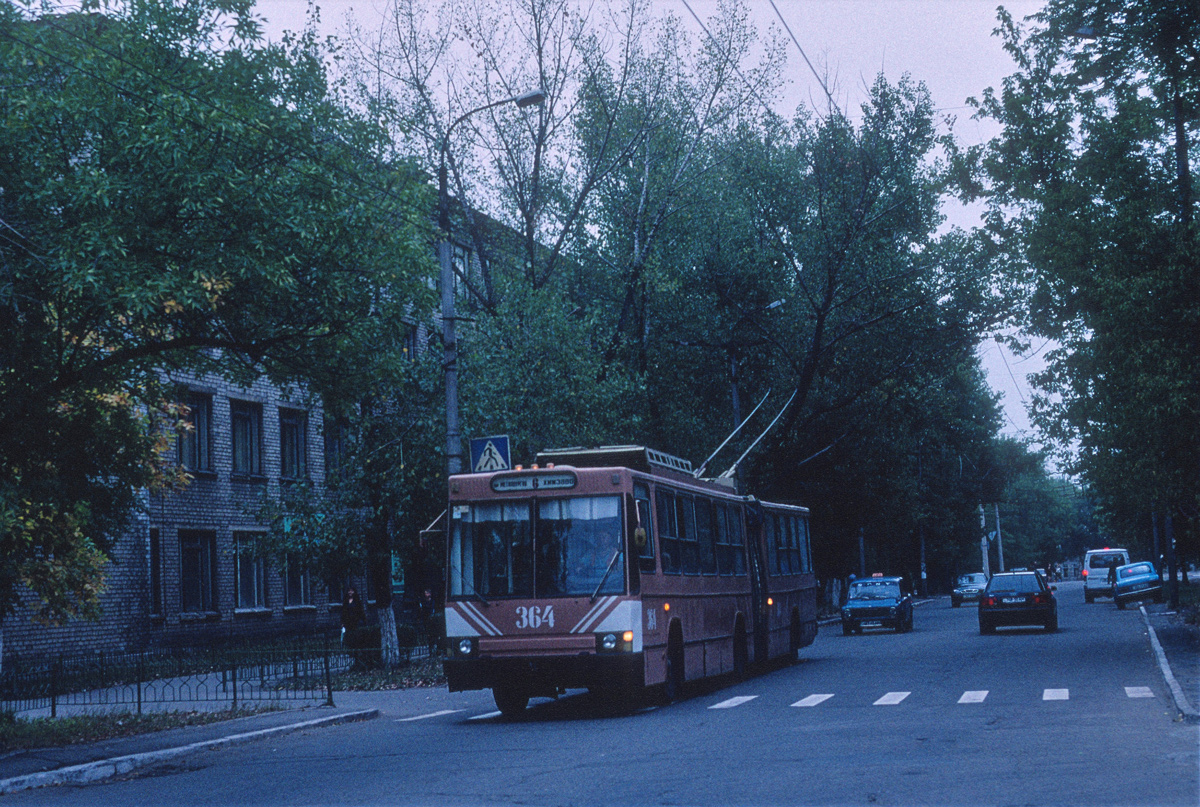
(1135, 582)
(877, 602)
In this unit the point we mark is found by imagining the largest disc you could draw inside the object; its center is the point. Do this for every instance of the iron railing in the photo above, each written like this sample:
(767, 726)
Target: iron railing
(188, 678)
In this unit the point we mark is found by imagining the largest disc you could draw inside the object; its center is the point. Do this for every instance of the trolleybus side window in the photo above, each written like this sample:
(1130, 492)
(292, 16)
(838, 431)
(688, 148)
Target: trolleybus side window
(580, 546)
(725, 550)
(770, 533)
(704, 530)
(737, 538)
(690, 547)
(805, 548)
(795, 543)
(668, 534)
(641, 498)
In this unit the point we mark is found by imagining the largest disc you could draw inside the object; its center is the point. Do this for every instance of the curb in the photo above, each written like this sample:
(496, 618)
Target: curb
(1181, 702)
(101, 769)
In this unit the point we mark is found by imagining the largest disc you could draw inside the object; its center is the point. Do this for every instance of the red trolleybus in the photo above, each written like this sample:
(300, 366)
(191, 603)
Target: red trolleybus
(616, 569)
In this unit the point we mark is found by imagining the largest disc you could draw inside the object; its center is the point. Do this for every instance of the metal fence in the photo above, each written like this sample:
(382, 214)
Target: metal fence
(193, 679)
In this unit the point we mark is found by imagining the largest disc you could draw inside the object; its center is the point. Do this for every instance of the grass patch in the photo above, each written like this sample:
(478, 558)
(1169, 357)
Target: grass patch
(425, 672)
(1189, 603)
(45, 732)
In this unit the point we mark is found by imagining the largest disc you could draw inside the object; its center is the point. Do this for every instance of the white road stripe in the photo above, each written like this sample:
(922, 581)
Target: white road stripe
(892, 698)
(426, 717)
(812, 700)
(1139, 692)
(485, 716)
(973, 696)
(732, 702)
(1056, 695)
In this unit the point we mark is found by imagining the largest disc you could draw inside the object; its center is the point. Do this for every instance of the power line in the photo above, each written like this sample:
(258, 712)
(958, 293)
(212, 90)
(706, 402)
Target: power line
(796, 42)
(729, 58)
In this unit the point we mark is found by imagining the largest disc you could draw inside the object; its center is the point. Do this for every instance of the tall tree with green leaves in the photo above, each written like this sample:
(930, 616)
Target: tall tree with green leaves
(1091, 203)
(174, 195)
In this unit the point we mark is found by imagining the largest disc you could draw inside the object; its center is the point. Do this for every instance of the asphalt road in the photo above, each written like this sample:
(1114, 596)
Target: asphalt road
(941, 715)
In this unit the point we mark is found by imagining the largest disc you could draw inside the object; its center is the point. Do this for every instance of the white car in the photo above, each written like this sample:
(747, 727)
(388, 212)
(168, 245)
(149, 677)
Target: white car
(968, 588)
(1096, 563)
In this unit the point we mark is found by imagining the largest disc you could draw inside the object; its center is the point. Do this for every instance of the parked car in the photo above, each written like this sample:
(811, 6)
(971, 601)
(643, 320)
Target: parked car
(1017, 598)
(1096, 563)
(968, 588)
(1136, 582)
(877, 602)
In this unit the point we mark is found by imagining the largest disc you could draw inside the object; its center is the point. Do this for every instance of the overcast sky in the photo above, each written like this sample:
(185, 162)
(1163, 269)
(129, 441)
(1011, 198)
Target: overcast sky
(947, 44)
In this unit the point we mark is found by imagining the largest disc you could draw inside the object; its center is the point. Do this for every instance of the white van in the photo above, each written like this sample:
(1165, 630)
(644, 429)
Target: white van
(1096, 563)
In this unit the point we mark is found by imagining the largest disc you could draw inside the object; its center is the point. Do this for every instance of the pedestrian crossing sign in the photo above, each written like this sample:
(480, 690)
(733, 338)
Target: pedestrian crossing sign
(490, 454)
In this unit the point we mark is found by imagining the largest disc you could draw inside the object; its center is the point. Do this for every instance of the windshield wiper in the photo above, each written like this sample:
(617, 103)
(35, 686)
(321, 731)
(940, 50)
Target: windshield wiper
(472, 585)
(607, 572)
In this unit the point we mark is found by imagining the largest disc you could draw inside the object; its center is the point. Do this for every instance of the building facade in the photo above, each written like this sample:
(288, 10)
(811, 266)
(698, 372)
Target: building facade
(180, 576)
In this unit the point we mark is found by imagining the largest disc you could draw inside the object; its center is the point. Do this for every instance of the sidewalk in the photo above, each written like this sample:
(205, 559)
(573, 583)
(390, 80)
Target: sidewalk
(1180, 656)
(90, 762)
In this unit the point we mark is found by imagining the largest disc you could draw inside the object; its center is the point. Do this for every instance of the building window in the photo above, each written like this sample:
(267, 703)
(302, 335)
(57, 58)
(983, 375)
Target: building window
(156, 588)
(246, 422)
(410, 341)
(295, 584)
(461, 258)
(195, 444)
(293, 444)
(197, 570)
(251, 572)
(336, 444)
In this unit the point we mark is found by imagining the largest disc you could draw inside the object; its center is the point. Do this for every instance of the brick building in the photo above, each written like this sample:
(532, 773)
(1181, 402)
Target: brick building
(176, 576)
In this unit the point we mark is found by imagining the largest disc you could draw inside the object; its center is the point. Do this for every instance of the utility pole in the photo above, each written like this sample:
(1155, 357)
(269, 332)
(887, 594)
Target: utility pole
(983, 541)
(999, 539)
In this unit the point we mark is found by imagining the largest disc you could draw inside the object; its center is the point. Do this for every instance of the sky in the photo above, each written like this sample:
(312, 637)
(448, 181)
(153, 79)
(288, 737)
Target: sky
(947, 44)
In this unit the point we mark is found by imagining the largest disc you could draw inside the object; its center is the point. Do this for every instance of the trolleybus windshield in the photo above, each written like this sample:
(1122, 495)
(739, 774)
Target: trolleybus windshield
(549, 547)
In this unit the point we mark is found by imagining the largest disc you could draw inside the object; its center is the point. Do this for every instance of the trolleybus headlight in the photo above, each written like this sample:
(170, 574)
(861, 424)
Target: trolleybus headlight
(609, 642)
(466, 646)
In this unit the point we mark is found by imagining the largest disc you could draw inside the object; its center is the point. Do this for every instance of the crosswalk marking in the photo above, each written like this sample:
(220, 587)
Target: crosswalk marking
(973, 696)
(732, 702)
(812, 700)
(1139, 692)
(426, 717)
(1056, 695)
(892, 698)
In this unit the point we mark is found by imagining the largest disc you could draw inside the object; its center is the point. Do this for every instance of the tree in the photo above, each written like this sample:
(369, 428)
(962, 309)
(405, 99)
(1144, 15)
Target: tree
(1090, 196)
(176, 196)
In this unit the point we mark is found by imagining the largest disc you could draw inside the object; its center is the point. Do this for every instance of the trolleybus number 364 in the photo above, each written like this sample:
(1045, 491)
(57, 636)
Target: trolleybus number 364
(535, 616)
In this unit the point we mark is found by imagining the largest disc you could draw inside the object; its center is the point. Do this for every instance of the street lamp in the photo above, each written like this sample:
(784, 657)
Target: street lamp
(453, 439)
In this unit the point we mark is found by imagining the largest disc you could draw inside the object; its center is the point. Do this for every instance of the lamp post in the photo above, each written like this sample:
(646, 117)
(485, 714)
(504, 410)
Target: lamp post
(454, 463)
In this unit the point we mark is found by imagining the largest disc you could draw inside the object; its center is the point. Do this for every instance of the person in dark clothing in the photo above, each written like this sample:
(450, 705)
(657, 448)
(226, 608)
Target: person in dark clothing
(353, 617)
(1112, 573)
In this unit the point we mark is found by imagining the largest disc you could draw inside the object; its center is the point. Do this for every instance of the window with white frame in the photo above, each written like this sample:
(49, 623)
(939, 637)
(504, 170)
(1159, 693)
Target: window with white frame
(293, 444)
(295, 584)
(197, 571)
(251, 571)
(195, 442)
(246, 429)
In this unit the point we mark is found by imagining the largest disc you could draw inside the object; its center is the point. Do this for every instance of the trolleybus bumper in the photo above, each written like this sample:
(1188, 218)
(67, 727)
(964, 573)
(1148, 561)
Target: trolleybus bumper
(545, 676)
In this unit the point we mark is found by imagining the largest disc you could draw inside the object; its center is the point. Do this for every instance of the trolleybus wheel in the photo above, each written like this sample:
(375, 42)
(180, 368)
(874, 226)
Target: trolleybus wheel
(510, 700)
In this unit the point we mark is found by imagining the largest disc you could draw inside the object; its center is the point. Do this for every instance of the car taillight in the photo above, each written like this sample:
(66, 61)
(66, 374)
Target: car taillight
(1085, 572)
(989, 601)
(1039, 599)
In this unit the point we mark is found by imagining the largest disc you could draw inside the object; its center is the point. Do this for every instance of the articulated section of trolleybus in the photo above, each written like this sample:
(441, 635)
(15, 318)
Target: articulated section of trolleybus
(544, 627)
